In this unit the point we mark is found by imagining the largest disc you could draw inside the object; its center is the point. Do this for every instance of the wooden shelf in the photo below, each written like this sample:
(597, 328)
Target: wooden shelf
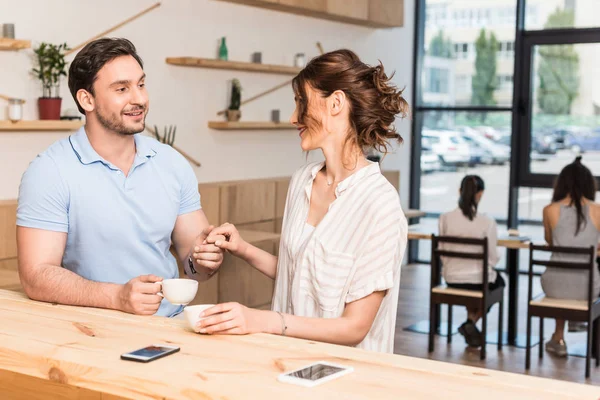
(40, 125)
(370, 13)
(233, 65)
(14, 44)
(248, 126)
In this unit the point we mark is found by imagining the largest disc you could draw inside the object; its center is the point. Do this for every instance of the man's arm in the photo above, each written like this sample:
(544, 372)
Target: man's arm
(188, 238)
(40, 255)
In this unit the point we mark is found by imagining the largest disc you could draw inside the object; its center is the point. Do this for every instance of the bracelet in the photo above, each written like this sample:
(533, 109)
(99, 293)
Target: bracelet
(191, 265)
(283, 325)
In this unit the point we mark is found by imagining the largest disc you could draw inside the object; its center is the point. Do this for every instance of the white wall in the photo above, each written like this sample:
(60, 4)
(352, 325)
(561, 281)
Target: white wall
(189, 97)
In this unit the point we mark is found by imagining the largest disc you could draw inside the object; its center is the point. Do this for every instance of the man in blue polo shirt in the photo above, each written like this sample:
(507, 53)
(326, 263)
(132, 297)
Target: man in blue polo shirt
(98, 211)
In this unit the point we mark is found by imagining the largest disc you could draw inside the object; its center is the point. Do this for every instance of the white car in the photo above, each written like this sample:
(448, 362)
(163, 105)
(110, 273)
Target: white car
(499, 153)
(449, 146)
(430, 162)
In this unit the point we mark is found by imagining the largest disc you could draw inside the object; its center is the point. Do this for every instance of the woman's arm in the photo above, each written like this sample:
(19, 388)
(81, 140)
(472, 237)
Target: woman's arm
(236, 245)
(350, 329)
(547, 225)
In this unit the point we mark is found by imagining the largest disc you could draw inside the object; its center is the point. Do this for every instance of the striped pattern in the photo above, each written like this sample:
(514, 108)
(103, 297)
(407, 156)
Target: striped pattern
(357, 249)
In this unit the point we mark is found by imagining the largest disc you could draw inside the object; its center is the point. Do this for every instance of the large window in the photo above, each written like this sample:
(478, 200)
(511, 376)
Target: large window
(488, 80)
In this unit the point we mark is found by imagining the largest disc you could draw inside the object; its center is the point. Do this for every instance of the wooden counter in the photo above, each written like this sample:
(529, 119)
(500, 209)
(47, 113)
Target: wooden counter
(53, 351)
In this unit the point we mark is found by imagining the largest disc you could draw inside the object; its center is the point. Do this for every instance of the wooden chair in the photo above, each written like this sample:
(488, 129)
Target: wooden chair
(442, 294)
(572, 310)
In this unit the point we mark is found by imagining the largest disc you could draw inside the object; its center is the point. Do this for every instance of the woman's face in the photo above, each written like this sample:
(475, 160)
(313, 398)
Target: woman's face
(478, 196)
(311, 130)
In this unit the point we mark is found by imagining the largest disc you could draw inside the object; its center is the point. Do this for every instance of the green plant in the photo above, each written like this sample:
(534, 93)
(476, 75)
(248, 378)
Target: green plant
(51, 65)
(236, 95)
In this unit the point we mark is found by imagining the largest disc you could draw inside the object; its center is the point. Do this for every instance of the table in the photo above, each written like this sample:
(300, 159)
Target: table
(415, 232)
(412, 213)
(73, 352)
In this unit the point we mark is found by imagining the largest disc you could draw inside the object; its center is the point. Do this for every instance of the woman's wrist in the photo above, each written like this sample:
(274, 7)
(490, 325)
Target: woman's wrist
(273, 323)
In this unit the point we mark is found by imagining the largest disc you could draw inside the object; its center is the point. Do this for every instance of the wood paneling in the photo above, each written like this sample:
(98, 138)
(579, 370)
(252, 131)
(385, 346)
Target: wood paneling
(251, 201)
(393, 177)
(8, 229)
(358, 9)
(348, 11)
(312, 5)
(386, 12)
(244, 284)
(211, 202)
(281, 189)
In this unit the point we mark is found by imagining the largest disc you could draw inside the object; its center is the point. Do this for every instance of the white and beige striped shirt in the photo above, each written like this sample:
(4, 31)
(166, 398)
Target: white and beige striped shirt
(355, 250)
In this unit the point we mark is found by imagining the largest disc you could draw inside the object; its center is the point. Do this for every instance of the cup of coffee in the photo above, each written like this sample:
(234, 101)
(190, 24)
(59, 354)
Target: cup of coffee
(179, 291)
(192, 314)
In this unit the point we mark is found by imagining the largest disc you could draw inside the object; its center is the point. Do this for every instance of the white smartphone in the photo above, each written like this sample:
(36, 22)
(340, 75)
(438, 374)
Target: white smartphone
(315, 374)
(150, 353)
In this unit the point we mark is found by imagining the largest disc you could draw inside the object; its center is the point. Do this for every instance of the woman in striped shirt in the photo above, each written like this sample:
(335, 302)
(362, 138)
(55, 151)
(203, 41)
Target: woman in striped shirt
(337, 276)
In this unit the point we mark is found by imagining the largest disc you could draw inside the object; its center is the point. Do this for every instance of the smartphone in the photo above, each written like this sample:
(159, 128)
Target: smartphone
(315, 374)
(150, 353)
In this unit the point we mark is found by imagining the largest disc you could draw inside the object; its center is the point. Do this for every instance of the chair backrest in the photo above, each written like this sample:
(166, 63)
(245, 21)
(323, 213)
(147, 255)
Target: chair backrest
(585, 266)
(436, 253)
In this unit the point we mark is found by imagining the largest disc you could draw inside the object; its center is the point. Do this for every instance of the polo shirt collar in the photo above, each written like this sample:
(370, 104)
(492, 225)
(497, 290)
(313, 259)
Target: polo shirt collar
(87, 155)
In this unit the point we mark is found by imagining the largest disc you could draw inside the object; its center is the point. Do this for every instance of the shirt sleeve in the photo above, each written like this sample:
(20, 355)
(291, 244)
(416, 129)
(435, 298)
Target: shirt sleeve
(190, 197)
(43, 197)
(492, 236)
(378, 264)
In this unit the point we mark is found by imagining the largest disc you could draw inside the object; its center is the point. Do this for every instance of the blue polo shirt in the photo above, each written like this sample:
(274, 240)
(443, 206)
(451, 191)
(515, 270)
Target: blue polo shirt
(118, 227)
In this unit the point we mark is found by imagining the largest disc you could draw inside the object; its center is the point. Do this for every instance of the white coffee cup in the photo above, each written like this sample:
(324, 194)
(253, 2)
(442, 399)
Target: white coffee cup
(179, 291)
(192, 314)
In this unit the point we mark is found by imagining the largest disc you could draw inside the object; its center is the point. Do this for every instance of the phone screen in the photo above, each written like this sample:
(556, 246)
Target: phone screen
(150, 353)
(316, 372)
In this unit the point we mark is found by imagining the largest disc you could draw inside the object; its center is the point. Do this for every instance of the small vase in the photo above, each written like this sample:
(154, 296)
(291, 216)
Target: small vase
(233, 115)
(49, 107)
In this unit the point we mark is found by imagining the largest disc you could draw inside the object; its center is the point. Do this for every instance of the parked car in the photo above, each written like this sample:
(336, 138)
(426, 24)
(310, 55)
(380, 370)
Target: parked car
(583, 141)
(451, 149)
(499, 153)
(560, 135)
(478, 154)
(541, 143)
(430, 162)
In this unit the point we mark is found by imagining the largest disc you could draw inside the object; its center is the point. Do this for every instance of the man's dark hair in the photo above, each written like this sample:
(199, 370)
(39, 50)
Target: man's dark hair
(83, 71)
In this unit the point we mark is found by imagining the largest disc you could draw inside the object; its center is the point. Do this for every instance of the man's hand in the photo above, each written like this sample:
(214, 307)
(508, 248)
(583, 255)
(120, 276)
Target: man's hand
(139, 295)
(206, 254)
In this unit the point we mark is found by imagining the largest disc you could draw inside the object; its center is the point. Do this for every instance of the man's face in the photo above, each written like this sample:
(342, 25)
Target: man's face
(120, 96)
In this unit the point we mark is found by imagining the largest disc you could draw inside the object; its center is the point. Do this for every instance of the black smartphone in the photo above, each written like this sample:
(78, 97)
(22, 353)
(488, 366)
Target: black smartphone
(150, 353)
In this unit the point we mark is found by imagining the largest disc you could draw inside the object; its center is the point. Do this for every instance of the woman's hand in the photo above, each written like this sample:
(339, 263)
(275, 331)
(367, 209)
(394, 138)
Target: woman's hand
(233, 319)
(233, 243)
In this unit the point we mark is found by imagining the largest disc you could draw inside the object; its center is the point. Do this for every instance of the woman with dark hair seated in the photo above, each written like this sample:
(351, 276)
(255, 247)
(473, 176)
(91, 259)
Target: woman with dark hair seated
(466, 221)
(571, 220)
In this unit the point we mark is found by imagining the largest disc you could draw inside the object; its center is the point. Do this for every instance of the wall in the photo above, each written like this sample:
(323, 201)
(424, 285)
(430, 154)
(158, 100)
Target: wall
(189, 97)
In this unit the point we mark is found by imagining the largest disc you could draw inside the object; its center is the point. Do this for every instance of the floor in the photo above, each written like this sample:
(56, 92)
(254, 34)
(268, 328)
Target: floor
(414, 306)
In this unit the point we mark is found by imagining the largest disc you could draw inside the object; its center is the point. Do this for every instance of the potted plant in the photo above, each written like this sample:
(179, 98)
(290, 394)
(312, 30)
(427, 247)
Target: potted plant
(233, 113)
(51, 65)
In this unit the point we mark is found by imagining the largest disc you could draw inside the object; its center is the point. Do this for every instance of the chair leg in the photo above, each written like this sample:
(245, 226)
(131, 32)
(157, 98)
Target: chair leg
(431, 325)
(528, 345)
(588, 353)
(597, 340)
(500, 323)
(449, 323)
(541, 345)
(483, 332)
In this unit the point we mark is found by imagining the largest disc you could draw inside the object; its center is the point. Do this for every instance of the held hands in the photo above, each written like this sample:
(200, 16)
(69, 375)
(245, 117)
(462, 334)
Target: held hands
(206, 254)
(140, 295)
(227, 237)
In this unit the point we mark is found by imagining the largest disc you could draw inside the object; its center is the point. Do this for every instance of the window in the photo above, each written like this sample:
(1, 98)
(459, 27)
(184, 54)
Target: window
(462, 48)
(548, 14)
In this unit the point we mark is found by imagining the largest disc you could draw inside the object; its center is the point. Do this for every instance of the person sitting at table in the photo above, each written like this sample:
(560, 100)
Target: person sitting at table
(467, 221)
(344, 234)
(98, 210)
(571, 220)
